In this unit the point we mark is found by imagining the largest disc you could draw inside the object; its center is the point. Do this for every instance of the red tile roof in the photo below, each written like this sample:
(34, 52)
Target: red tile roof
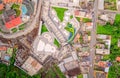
(77, 13)
(118, 59)
(1, 6)
(3, 48)
(12, 1)
(13, 23)
(102, 64)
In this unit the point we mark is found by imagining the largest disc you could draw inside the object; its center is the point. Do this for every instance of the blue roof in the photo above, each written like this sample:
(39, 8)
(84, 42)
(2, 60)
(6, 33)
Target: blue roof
(24, 9)
(7, 58)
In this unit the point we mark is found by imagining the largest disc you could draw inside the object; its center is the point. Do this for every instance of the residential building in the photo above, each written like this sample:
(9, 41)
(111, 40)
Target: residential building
(5, 54)
(103, 44)
(118, 59)
(100, 74)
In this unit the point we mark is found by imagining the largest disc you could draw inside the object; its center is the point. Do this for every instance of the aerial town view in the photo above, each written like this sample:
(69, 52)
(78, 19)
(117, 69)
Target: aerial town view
(59, 38)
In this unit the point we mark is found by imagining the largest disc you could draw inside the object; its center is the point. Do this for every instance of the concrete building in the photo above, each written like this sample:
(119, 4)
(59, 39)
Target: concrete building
(70, 66)
(101, 4)
(103, 44)
(31, 66)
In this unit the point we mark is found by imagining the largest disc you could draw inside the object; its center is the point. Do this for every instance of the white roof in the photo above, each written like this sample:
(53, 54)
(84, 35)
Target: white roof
(47, 48)
(102, 36)
(40, 46)
(61, 66)
(106, 69)
(85, 76)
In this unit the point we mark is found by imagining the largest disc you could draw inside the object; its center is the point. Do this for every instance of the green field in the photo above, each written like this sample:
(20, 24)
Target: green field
(80, 76)
(114, 31)
(44, 29)
(71, 17)
(22, 27)
(60, 12)
(14, 30)
(85, 20)
(56, 43)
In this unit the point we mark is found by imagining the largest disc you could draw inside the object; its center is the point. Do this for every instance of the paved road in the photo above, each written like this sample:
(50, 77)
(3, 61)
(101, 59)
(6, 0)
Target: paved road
(29, 28)
(109, 11)
(93, 39)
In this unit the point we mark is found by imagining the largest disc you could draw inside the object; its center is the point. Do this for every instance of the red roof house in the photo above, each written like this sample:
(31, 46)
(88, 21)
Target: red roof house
(118, 59)
(3, 48)
(1, 6)
(77, 13)
(13, 23)
(12, 1)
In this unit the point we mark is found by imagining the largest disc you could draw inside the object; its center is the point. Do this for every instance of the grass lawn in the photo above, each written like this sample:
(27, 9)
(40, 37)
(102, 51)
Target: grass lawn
(56, 43)
(60, 12)
(15, 6)
(22, 27)
(14, 30)
(114, 31)
(105, 57)
(1, 12)
(85, 20)
(17, 12)
(71, 16)
(80, 76)
(44, 29)
(10, 51)
(70, 29)
(110, 4)
(105, 30)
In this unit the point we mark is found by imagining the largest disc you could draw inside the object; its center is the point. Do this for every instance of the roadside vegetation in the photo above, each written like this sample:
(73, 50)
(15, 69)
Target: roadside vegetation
(60, 12)
(114, 31)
